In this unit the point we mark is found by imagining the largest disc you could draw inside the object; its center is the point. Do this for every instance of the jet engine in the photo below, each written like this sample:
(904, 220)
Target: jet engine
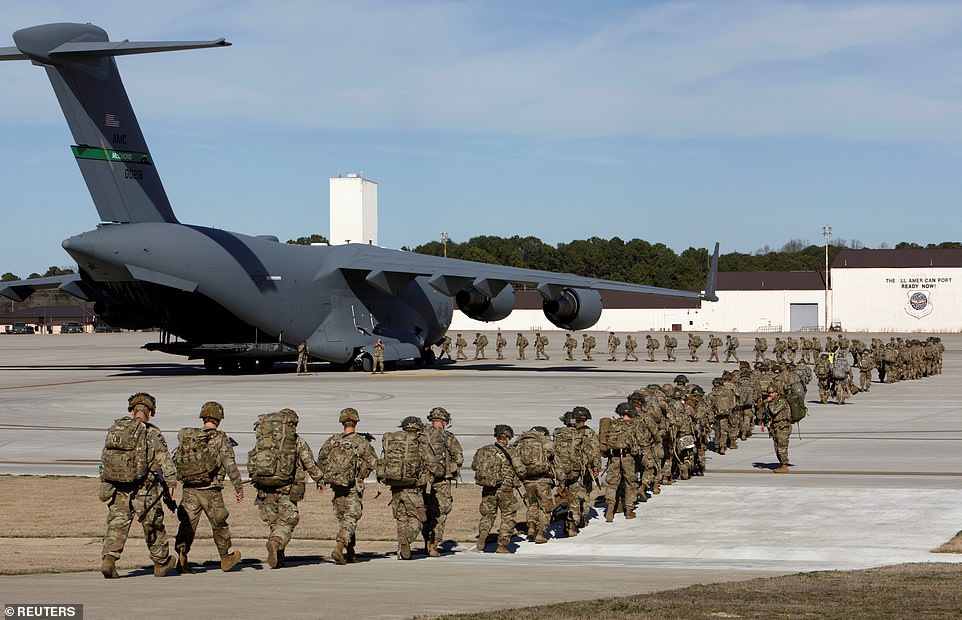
(480, 307)
(574, 308)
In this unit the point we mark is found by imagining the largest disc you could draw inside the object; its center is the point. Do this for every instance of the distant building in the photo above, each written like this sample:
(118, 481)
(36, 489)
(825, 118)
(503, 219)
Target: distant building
(353, 210)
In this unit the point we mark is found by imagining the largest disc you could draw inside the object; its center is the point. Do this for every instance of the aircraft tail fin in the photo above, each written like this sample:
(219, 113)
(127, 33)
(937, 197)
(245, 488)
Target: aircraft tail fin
(712, 281)
(110, 147)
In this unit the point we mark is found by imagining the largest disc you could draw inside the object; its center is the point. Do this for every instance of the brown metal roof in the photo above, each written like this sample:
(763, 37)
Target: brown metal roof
(770, 280)
(869, 259)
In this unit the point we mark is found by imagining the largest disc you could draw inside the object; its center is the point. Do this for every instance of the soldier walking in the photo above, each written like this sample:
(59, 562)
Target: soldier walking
(448, 458)
(133, 482)
(498, 471)
(587, 344)
(540, 342)
(480, 343)
(522, 343)
(779, 427)
(713, 343)
(570, 344)
(670, 344)
(537, 456)
(731, 346)
(651, 345)
(459, 345)
(203, 459)
(499, 344)
(302, 353)
(630, 346)
(405, 466)
(620, 443)
(613, 342)
(345, 460)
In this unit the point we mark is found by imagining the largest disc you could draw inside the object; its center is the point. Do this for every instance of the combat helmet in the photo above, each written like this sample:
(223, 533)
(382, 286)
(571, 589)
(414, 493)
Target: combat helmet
(667, 389)
(541, 429)
(581, 414)
(625, 409)
(637, 396)
(411, 422)
(212, 410)
(142, 398)
(567, 418)
(697, 390)
(717, 381)
(439, 413)
(681, 379)
(501, 430)
(349, 414)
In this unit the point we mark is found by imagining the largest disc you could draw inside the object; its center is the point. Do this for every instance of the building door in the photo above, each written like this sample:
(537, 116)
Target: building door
(803, 316)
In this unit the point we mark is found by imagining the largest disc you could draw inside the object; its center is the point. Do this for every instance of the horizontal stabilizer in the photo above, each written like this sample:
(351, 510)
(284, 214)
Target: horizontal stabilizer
(125, 48)
(12, 53)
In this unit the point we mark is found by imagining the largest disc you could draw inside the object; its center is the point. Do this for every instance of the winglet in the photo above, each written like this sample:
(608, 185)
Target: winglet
(712, 281)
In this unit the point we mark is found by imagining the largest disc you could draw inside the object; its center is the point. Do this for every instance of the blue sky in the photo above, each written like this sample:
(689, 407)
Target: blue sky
(747, 122)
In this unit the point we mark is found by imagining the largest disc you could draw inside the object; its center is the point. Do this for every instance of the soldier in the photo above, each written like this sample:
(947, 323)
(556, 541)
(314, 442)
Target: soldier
(345, 461)
(591, 456)
(302, 353)
(620, 442)
(448, 458)
(761, 345)
(570, 344)
(378, 357)
(203, 491)
(480, 343)
(651, 345)
(792, 349)
(698, 411)
(587, 344)
(537, 454)
(445, 347)
(779, 427)
(823, 372)
(459, 345)
(522, 343)
(277, 499)
(540, 342)
(406, 479)
(731, 344)
(721, 401)
(507, 470)
(713, 343)
(613, 342)
(630, 346)
(683, 429)
(866, 364)
(133, 483)
(780, 349)
(499, 344)
(570, 465)
(670, 344)
(648, 437)
(806, 346)
(694, 341)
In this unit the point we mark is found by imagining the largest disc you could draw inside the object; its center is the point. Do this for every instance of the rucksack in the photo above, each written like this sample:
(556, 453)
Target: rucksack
(797, 408)
(746, 391)
(590, 341)
(567, 453)
(618, 435)
(724, 399)
(696, 341)
(822, 368)
(617, 341)
(486, 466)
(840, 367)
(402, 464)
(672, 342)
(341, 464)
(890, 355)
(272, 462)
(193, 459)
(762, 344)
(124, 456)
(534, 454)
(440, 451)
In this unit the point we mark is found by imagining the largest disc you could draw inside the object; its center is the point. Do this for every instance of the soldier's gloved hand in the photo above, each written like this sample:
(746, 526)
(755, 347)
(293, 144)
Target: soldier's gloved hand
(240, 496)
(320, 489)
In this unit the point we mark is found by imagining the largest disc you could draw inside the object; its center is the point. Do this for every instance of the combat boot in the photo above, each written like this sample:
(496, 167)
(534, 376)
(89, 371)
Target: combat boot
(540, 538)
(609, 514)
(642, 494)
(350, 556)
(721, 449)
(273, 559)
(108, 568)
(630, 513)
(433, 549)
(404, 551)
(734, 445)
(571, 530)
(229, 561)
(182, 565)
(501, 549)
(782, 469)
(655, 488)
(338, 554)
(162, 568)
(482, 539)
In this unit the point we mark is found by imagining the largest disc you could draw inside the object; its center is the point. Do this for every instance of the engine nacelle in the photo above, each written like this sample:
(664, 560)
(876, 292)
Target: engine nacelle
(480, 307)
(574, 308)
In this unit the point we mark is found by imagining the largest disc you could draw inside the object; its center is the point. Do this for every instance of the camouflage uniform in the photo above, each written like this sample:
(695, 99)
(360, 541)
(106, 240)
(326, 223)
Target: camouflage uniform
(693, 348)
(621, 474)
(780, 429)
(407, 502)
(445, 347)
(459, 345)
(630, 346)
(348, 501)
(720, 401)
(209, 499)
(539, 491)
(591, 455)
(499, 344)
(522, 343)
(670, 344)
(613, 342)
(278, 507)
(792, 349)
(302, 353)
(570, 344)
(501, 498)
(448, 458)
(540, 342)
(731, 346)
(587, 344)
(480, 343)
(713, 343)
(760, 348)
(866, 364)
(378, 357)
(648, 438)
(125, 500)
(651, 344)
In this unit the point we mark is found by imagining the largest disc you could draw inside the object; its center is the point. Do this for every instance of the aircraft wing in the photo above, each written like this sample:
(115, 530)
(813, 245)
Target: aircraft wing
(19, 290)
(449, 275)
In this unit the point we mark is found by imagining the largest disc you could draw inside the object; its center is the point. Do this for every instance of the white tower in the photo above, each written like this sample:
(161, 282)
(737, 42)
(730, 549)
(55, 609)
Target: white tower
(353, 210)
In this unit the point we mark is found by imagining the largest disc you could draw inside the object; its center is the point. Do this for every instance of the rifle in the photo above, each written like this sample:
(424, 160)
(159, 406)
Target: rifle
(164, 495)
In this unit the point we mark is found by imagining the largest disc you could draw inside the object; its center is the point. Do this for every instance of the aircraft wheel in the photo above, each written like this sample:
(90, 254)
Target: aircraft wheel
(367, 363)
(211, 365)
(265, 365)
(429, 357)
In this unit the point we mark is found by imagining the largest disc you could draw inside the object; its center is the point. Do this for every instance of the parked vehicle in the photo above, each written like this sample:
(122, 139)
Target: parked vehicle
(22, 328)
(71, 327)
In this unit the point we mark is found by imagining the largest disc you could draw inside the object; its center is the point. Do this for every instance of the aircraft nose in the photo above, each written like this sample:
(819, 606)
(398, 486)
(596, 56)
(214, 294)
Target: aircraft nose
(78, 245)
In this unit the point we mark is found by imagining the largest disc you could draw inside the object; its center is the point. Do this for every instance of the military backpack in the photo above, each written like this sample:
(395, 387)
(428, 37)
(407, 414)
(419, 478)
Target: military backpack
(696, 341)
(590, 341)
(486, 466)
(272, 462)
(568, 453)
(195, 464)
(534, 453)
(340, 467)
(797, 408)
(840, 367)
(124, 456)
(439, 448)
(402, 464)
(618, 435)
(672, 342)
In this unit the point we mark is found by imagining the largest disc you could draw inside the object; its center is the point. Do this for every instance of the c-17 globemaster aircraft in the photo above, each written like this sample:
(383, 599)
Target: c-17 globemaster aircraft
(240, 301)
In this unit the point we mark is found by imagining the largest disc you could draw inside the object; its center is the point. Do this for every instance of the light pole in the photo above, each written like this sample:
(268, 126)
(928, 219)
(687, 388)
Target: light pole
(444, 240)
(827, 231)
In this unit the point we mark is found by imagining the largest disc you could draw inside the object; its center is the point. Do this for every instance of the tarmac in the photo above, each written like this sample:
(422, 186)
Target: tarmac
(877, 481)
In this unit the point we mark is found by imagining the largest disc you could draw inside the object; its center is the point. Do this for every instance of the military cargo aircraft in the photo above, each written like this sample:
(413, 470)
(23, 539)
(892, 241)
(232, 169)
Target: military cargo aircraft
(243, 302)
